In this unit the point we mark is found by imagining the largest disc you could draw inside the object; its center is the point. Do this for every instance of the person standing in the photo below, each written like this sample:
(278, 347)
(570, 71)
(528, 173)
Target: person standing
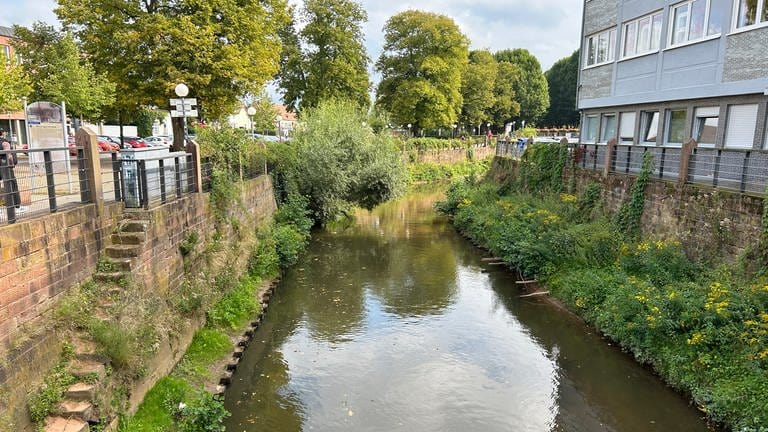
(10, 185)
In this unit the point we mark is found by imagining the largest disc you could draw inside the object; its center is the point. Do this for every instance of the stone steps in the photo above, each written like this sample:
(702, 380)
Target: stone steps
(80, 409)
(134, 226)
(112, 277)
(61, 424)
(81, 391)
(123, 251)
(88, 370)
(129, 238)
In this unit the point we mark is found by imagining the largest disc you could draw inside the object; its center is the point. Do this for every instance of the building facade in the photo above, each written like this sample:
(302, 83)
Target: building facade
(663, 72)
(13, 122)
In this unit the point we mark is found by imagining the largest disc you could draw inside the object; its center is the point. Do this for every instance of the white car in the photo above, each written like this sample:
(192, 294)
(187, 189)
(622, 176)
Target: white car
(158, 141)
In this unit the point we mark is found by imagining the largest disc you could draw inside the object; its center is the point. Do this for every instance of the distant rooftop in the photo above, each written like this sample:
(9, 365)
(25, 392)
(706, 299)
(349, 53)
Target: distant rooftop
(7, 32)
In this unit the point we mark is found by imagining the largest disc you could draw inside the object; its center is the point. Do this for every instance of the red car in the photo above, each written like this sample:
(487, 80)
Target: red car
(135, 142)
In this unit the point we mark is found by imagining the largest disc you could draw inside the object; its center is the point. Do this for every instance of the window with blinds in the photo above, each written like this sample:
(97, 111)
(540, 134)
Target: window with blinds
(742, 122)
(705, 124)
(627, 128)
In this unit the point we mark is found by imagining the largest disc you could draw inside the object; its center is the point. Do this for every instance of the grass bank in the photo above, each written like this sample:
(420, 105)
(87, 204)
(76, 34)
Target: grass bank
(702, 326)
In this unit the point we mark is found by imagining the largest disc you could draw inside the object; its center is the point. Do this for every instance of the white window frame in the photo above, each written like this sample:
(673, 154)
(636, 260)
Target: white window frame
(668, 127)
(6, 51)
(610, 49)
(623, 120)
(735, 23)
(596, 119)
(687, 40)
(647, 119)
(751, 125)
(703, 113)
(602, 139)
(650, 41)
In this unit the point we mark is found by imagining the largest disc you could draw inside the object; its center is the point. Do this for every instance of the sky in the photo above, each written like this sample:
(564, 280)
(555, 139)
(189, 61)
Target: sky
(549, 29)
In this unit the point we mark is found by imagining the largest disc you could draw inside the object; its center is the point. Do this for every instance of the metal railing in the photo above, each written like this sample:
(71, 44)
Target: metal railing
(741, 170)
(157, 180)
(40, 181)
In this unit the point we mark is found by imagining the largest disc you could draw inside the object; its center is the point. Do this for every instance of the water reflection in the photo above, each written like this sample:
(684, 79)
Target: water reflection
(394, 324)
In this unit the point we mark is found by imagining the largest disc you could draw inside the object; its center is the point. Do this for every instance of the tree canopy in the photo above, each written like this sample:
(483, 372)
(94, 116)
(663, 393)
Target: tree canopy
(562, 78)
(59, 73)
(338, 161)
(221, 49)
(531, 87)
(505, 106)
(477, 88)
(333, 62)
(421, 67)
(14, 85)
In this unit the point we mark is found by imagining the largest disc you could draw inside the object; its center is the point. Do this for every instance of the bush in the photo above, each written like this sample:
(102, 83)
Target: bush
(237, 307)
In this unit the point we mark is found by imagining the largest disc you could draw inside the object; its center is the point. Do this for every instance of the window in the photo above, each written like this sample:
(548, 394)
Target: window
(650, 126)
(627, 128)
(705, 124)
(608, 129)
(642, 35)
(751, 12)
(6, 51)
(601, 48)
(742, 121)
(590, 128)
(691, 21)
(675, 127)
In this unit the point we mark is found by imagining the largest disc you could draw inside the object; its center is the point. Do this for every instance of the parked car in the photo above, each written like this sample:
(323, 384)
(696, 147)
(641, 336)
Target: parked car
(158, 141)
(106, 144)
(135, 142)
(72, 145)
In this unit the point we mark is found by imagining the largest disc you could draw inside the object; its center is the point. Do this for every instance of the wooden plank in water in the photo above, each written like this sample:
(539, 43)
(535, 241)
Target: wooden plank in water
(526, 282)
(491, 259)
(538, 293)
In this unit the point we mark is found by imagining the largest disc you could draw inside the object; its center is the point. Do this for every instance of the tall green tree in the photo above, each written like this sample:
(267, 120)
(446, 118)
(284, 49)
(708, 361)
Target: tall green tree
(421, 67)
(335, 61)
(58, 72)
(221, 49)
(531, 89)
(291, 77)
(477, 88)
(14, 85)
(562, 78)
(505, 106)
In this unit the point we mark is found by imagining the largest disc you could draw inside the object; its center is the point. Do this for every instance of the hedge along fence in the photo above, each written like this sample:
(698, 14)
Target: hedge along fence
(426, 144)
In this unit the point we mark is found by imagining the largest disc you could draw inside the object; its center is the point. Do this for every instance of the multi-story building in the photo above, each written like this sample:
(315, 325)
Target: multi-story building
(10, 121)
(663, 72)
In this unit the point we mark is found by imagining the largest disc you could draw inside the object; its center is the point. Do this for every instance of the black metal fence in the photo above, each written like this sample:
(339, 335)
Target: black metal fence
(740, 170)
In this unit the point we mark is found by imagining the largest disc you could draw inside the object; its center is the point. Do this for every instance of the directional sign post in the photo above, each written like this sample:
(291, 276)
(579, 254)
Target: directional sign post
(183, 107)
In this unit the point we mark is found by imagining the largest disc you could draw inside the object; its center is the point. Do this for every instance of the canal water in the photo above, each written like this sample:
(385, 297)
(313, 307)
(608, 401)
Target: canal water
(393, 323)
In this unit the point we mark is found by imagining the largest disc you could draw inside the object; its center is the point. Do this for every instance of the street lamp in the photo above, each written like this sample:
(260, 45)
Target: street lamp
(409, 130)
(454, 129)
(182, 91)
(279, 128)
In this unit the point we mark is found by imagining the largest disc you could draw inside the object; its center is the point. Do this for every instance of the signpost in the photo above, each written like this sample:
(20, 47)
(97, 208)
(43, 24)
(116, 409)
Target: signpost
(183, 107)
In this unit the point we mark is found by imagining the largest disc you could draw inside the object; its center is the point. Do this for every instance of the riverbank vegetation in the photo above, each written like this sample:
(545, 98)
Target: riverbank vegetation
(702, 326)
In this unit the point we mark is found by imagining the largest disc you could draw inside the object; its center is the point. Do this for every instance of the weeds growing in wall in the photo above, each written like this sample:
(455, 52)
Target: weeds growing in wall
(627, 220)
(541, 168)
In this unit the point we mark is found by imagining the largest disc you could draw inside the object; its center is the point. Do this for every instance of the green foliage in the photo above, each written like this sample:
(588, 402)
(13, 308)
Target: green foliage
(561, 80)
(425, 144)
(188, 244)
(541, 168)
(421, 68)
(477, 87)
(208, 346)
(237, 307)
(339, 162)
(205, 413)
(156, 412)
(531, 88)
(105, 265)
(265, 118)
(14, 85)
(145, 119)
(506, 106)
(328, 59)
(60, 73)
(46, 399)
(627, 220)
(115, 341)
(264, 260)
(431, 172)
(221, 50)
(703, 330)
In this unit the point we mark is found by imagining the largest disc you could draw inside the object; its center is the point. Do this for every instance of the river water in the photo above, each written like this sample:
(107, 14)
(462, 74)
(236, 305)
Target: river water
(393, 323)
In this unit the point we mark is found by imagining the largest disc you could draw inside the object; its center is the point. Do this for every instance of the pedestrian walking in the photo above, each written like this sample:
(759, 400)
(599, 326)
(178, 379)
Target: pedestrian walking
(11, 195)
